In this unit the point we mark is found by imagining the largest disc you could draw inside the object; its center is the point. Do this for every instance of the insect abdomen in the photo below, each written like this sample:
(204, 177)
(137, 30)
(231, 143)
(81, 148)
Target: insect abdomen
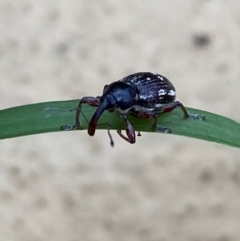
(152, 89)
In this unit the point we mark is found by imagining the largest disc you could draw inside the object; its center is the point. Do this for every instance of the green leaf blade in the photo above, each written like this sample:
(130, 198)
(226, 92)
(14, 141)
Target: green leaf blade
(50, 116)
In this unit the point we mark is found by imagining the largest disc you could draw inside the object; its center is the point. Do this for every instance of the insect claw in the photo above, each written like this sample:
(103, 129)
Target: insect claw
(164, 129)
(68, 127)
(196, 117)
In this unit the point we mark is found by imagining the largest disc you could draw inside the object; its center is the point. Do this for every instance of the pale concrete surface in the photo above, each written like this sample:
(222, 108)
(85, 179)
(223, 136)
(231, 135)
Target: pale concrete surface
(69, 186)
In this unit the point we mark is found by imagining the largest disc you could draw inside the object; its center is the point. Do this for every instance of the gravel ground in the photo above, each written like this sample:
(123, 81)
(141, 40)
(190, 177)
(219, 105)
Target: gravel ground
(70, 187)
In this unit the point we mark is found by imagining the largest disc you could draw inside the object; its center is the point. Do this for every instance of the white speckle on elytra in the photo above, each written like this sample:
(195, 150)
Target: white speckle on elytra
(142, 109)
(159, 105)
(134, 78)
(160, 77)
(171, 93)
(161, 92)
(143, 97)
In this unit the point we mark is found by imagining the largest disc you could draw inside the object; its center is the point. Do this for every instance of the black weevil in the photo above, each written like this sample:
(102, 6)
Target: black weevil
(142, 94)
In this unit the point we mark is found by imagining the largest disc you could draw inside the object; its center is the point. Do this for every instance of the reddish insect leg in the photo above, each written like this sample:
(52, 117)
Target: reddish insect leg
(92, 101)
(155, 125)
(171, 106)
(131, 137)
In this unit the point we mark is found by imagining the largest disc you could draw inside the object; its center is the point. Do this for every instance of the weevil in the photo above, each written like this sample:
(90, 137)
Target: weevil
(143, 95)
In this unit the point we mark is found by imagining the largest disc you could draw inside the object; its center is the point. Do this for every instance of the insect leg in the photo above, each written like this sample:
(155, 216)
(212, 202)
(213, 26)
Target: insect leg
(171, 106)
(131, 137)
(92, 101)
(155, 125)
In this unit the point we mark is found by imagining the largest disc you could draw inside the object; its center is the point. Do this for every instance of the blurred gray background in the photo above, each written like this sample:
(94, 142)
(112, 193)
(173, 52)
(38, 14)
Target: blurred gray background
(69, 186)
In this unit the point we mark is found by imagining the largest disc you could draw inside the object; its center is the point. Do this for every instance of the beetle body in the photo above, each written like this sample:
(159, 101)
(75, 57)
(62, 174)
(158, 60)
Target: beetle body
(153, 90)
(142, 94)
